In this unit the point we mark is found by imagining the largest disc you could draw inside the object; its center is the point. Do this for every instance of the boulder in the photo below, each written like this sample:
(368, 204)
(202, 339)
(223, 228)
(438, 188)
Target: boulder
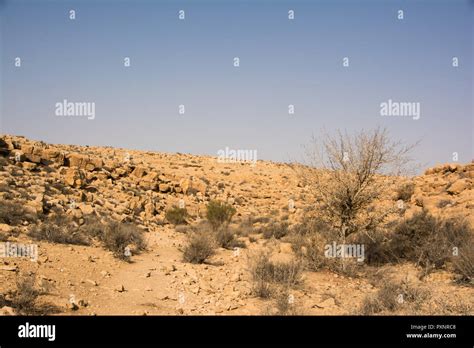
(164, 187)
(458, 186)
(74, 177)
(4, 228)
(139, 172)
(5, 310)
(76, 160)
(94, 163)
(86, 209)
(185, 184)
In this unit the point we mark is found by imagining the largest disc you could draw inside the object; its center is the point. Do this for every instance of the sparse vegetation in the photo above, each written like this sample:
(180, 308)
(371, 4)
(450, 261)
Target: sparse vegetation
(12, 213)
(405, 191)
(309, 241)
(275, 230)
(266, 274)
(201, 246)
(463, 262)
(429, 241)
(344, 176)
(24, 298)
(346, 200)
(226, 238)
(59, 229)
(219, 213)
(113, 235)
(394, 296)
(116, 237)
(284, 304)
(311, 249)
(176, 215)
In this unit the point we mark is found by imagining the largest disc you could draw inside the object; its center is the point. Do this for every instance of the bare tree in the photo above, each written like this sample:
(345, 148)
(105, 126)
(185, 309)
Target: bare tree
(346, 173)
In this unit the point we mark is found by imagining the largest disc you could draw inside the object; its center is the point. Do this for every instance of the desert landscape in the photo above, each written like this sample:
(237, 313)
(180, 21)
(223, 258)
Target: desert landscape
(118, 231)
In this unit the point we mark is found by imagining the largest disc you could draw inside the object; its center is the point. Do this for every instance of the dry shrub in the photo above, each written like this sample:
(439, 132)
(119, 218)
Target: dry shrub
(219, 213)
(176, 215)
(377, 248)
(116, 237)
(284, 305)
(266, 274)
(201, 245)
(429, 241)
(394, 296)
(275, 230)
(226, 238)
(463, 262)
(311, 249)
(59, 229)
(12, 213)
(24, 298)
(309, 240)
(344, 177)
(405, 191)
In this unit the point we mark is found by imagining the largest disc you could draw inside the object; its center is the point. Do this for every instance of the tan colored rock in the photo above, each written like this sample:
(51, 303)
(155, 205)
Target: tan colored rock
(164, 187)
(5, 310)
(29, 166)
(139, 171)
(149, 210)
(74, 177)
(76, 160)
(4, 228)
(185, 184)
(458, 186)
(86, 209)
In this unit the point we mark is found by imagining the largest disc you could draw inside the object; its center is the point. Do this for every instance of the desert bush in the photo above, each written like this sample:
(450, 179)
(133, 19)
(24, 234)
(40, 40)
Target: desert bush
(245, 227)
(25, 295)
(219, 213)
(116, 237)
(310, 248)
(309, 242)
(394, 296)
(429, 241)
(263, 289)
(12, 213)
(405, 191)
(275, 230)
(463, 262)
(59, 229)
(200, 246)
(377, 248)
(24, 298)
(93, 226)
(283, 305)
(458, 307)
(344, 177)
(266, 273)
(261, 219)
(225, 238)
(176, 215)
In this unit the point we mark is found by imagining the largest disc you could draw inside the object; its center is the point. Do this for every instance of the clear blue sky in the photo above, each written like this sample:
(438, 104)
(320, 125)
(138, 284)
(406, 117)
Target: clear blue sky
(283, 62)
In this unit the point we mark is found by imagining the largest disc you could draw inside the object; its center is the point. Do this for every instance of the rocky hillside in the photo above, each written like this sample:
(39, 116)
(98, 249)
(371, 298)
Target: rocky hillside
(134, 187)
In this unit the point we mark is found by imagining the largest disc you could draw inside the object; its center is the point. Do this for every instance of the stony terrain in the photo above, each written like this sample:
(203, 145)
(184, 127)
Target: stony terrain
(139, 187)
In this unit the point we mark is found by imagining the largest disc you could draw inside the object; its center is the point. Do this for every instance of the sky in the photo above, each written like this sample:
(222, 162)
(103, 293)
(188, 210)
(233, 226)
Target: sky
(283, 62)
